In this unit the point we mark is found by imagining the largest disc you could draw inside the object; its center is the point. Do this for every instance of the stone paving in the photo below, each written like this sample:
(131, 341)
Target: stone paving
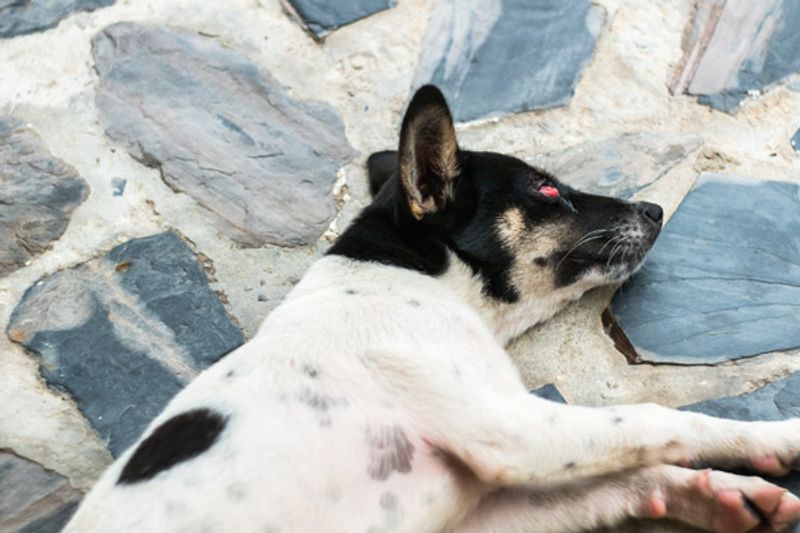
(168, 170)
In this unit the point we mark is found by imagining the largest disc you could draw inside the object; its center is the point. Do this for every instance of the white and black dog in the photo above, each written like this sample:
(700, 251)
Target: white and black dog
(378, 396)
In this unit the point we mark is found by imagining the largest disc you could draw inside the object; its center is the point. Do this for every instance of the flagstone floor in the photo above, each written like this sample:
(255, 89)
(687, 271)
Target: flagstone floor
(168, 171)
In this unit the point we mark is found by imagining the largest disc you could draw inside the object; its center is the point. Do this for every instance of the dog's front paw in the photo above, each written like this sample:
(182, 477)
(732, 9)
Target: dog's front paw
(725, 503)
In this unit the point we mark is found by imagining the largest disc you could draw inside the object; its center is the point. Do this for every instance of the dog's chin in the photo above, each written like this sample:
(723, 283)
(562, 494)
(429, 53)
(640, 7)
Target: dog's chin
(626, 266)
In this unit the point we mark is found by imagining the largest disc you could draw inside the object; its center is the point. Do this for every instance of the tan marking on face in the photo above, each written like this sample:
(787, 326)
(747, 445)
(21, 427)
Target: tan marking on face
(511, 227)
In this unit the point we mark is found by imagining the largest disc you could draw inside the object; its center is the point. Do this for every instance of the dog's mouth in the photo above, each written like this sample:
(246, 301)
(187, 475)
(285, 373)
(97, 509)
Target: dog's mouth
(618, 251)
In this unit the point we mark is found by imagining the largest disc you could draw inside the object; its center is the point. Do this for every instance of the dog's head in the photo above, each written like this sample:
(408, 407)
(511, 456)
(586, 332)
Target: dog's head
(526, 234)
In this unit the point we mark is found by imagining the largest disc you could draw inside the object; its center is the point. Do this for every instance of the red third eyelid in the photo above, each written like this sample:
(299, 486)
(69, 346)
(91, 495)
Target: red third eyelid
(550, 192)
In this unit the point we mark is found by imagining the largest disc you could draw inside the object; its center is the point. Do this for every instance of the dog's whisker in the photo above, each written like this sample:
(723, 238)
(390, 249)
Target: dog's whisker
(588, 237)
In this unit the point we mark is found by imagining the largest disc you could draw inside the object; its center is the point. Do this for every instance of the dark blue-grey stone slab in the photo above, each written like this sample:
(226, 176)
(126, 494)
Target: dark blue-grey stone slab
(123, 333)
(32, 498)
(222, 130)
(549, 392)
(18, 17)
(754, 46)
(796, 141)
(723, 279)
(38, 194)
(775, 401)
(320, 17)
(620, 166)
(494, 57)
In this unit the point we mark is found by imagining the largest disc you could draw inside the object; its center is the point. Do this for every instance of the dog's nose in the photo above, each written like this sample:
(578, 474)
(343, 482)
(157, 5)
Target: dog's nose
(651, 212)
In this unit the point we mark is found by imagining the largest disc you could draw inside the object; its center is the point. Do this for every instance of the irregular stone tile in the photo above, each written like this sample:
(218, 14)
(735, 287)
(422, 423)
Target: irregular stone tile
(723, 279)
(620, 166)
(796, 141)
(34, 499)
(38, 194)
(221, 130)
(29, 16)
(471, 46)
(123, 333)
(775, 401)
(320, 17)
(549, 392)
(744, 47)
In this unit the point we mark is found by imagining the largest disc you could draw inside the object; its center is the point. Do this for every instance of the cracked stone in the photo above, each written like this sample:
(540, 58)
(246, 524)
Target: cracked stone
(775, 401)
(30, 16)
(35, 500)
(470, 46)
(320, 17)
(38, 194)
(620, 166)
(222, 130)
(125, 332)
(723, 279)
(737, 48)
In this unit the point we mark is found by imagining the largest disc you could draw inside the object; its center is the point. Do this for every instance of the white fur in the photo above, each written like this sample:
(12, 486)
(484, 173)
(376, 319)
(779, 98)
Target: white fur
(405, 354)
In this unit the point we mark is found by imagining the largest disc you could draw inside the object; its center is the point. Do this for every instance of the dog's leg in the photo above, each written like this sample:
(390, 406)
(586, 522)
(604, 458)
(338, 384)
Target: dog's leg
(712, 500)
(509, 438)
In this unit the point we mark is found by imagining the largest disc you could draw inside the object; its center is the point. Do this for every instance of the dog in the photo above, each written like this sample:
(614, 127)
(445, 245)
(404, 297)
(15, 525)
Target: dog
(379, 397)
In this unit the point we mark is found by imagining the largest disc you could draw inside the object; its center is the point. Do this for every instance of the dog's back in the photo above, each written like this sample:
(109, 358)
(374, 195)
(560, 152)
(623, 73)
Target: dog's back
(318, 414)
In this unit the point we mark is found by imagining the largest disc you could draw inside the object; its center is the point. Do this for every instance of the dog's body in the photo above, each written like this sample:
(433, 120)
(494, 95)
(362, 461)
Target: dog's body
(378, 396)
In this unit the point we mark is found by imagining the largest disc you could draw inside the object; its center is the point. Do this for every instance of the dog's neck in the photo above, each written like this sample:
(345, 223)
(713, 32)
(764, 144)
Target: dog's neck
(506, 320)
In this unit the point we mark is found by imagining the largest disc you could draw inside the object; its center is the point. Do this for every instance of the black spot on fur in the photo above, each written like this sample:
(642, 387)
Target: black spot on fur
(389, 451)
(319, 401)
(540, 261)
(179, 439)
(310, 371)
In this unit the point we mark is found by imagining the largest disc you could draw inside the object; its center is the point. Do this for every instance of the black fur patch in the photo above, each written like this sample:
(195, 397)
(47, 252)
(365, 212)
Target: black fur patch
(177, 440)
(465, 220)
(390, 451)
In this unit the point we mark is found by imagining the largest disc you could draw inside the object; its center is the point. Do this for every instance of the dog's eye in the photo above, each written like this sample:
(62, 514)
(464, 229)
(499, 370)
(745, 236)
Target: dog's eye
(546, 188)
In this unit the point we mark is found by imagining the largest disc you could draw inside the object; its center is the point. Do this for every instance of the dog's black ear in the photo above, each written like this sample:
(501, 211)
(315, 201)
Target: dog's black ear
(380, 167)
(428, 155)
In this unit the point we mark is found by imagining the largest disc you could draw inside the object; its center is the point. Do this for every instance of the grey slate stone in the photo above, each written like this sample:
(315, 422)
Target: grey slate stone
(119, 186)
(320, 17)
(620, 166)
(221, 130)
(19, 17)
(123, 333)
(549, 392)
(504, 56)
(723, 279)
(38, 194)
(746, 47)
(775, 401)
(796, 141)
(34, 499)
